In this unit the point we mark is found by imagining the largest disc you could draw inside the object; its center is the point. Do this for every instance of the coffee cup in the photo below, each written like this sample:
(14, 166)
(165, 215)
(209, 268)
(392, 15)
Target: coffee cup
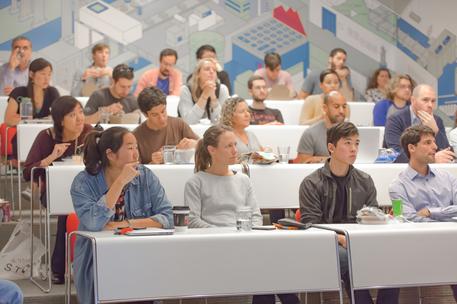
(181, 217)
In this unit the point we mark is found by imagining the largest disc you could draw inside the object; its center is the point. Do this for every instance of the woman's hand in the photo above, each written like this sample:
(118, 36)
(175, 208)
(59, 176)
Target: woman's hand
(209, 89)
(59, 150)
(129, 172)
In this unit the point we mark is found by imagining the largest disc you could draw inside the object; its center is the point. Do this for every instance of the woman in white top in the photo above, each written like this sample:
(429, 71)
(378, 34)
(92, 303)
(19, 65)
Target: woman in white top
(235, 114)
(203, 95)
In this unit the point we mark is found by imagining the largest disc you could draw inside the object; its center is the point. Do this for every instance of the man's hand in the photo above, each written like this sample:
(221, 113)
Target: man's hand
(424, 212)
(157, 157)
(444, 156)
(274, 123)
(114, 108)
(428, 120)
(186, 143)
(15, 59)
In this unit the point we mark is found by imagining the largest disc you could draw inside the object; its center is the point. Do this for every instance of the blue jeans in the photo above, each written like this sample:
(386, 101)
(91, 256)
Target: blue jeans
(387, 296)
(10, 293)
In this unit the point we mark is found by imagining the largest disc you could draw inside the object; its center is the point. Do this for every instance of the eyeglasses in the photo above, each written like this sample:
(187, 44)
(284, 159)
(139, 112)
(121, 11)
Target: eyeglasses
(123, 69)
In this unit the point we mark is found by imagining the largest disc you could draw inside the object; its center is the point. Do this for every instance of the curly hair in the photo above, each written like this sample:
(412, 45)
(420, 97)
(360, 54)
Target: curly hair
(228, 109)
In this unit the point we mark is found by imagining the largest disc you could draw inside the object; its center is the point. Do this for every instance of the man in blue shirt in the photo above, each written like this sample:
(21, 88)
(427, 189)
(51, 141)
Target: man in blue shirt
(423, 101)
(428, 194)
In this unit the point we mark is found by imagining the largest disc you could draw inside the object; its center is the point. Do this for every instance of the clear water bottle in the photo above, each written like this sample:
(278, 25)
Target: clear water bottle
(25, 108)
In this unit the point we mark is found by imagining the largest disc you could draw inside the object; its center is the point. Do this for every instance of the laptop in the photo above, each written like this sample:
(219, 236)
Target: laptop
(370, 138)
(279, 92)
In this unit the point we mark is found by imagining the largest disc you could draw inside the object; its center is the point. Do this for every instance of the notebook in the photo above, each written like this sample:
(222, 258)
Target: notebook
(150, 231)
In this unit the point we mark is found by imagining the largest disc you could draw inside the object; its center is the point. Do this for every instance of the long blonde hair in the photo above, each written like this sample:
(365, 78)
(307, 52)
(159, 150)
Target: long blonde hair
(211, 138)
(194, 81)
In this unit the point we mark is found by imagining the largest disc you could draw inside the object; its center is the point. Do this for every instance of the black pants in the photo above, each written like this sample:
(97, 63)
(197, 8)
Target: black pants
(58, 255)
(286, 298)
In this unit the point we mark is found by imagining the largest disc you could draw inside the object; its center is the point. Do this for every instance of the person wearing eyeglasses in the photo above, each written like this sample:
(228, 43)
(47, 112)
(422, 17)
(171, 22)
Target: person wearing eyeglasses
(166, 77)
(114, 99)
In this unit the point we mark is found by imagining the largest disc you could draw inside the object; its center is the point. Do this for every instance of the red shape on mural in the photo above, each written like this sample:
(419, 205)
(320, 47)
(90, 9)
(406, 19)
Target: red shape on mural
(290, 18)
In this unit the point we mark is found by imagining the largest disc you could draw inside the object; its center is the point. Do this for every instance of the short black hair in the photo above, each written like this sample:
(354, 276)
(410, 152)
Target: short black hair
(272, 60)
(122, 71)
(341, 130)
(413, 135)
(168, 52)
(204, 48)
(252, 79)
(149, 98)
(336, 51)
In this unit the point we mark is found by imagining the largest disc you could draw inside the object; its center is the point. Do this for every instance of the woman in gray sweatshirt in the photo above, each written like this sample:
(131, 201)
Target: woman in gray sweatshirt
(215, 192)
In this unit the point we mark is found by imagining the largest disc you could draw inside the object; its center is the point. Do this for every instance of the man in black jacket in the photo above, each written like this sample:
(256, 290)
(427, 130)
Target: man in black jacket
(334, 193)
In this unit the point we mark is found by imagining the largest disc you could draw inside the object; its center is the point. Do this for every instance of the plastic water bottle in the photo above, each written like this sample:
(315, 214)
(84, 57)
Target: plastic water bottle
(25, 108)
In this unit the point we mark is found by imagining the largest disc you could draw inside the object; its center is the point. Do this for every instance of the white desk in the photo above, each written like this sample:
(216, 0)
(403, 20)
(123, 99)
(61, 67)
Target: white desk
(400, 255)
(275, 186)
(213, 262)
(361, 113)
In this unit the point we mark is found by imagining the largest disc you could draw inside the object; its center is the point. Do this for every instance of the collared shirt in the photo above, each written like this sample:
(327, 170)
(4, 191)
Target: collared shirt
(15, 78)
(414, 119)
(436, 191)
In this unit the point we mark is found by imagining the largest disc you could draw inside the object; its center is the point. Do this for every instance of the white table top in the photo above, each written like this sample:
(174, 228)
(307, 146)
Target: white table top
(214, 261)
(400, 255)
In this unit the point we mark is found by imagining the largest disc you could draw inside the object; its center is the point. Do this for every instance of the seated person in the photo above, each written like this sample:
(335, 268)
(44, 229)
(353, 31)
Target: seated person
(215, 192)
(312, 147)
(261, 114)
(10, 293)
(166, 77)
(235, 114)
(15, 72)
(160, 129)
(325, 199)
(208, 51)
(428, 194)
(377, 88)
(420, 111)
(398, 97)
(63, 140)
(114, 99)
(346, 89)
(38, 90)
(336, 61)
(203, 96)
(273, 74)
(96, 76)
(106, 193)
(311, 111)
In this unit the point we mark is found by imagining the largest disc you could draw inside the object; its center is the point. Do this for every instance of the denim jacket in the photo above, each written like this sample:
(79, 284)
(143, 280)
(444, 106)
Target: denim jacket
(144, 197)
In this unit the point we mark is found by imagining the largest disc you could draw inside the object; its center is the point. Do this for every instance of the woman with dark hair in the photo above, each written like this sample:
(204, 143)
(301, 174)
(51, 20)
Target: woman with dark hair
(312, 111)
(377, 88)
(204, 95)
(62, 140)
(38, 90)
(215, 192)
(113, 191)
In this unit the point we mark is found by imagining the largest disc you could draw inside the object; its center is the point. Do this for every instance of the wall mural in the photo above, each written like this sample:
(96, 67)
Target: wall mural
(409, 36)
